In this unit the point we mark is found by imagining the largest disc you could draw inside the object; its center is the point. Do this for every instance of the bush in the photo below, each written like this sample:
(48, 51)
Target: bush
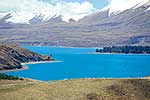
(9, 77)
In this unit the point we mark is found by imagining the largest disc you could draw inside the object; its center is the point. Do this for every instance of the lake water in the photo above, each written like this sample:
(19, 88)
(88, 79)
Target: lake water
(79, 63)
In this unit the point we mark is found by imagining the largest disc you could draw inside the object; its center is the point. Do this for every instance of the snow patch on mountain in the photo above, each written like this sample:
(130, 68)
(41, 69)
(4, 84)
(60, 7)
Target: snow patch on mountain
(118, 6)
(29, 17)
(4, 18)
(20, 17)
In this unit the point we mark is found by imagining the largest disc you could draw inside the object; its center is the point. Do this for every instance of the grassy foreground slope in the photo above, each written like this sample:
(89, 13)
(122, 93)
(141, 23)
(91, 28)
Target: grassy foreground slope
(79, 89)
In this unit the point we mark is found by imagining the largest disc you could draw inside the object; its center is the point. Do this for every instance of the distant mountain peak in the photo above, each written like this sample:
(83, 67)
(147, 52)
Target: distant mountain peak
(55, 19)
(34, 18)
(71, 20)
(116, 7)
(4, 18)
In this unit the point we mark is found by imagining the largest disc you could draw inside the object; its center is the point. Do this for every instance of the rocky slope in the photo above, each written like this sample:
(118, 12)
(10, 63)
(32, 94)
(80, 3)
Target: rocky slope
(11, 57)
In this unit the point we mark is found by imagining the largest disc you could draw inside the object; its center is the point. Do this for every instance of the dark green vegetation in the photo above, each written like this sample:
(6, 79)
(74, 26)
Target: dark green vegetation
(9, 77)
(11, 57)
(78, 89)
(125, 49)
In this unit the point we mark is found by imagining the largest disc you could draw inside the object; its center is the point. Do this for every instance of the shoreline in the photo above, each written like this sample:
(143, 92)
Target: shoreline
(128, 78)
(120, 53)
(39, 62)
(62, 46)
(13, 70)
(25, 67)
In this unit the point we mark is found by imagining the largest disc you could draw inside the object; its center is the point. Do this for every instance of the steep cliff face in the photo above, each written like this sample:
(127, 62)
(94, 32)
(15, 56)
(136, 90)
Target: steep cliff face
(11, 56)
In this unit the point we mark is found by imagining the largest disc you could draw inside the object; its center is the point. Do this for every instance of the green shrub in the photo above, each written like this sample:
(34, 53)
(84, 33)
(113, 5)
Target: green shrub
(9, 77)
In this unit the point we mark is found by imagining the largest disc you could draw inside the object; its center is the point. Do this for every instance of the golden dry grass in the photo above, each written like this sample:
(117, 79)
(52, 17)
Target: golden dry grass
(79, 89)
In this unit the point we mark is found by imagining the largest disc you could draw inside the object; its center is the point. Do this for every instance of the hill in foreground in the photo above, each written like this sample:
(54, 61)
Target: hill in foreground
(79, 89)
(11, 57)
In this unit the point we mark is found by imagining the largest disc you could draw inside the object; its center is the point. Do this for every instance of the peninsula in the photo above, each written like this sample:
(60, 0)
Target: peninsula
(11, 57)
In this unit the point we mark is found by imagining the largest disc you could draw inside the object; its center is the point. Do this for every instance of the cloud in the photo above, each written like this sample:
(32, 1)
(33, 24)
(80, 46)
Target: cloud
(74, 10)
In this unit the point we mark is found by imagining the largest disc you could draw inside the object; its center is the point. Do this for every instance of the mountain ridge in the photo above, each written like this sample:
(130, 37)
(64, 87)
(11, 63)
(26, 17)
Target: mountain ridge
(19, 18)
(113, 8)
(130, 27)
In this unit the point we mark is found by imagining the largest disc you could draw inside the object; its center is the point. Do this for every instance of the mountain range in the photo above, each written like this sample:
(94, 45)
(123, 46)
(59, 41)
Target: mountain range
(112, 25)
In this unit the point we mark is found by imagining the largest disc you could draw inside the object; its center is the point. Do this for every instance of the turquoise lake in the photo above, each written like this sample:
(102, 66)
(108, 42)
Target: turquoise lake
(81, 63)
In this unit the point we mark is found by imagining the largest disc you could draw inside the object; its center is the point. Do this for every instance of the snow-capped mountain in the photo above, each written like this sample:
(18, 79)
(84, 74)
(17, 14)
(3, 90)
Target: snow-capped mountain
(116, 6)
(120, 12)
(116, 24)
(34, 18)
(4, 18)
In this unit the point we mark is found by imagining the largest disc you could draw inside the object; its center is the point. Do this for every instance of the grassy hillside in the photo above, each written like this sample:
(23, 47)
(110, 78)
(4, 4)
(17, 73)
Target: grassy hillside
(80, 89)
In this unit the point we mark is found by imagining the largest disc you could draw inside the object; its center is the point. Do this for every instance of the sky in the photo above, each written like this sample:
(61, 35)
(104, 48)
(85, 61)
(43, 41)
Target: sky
(97, 3)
